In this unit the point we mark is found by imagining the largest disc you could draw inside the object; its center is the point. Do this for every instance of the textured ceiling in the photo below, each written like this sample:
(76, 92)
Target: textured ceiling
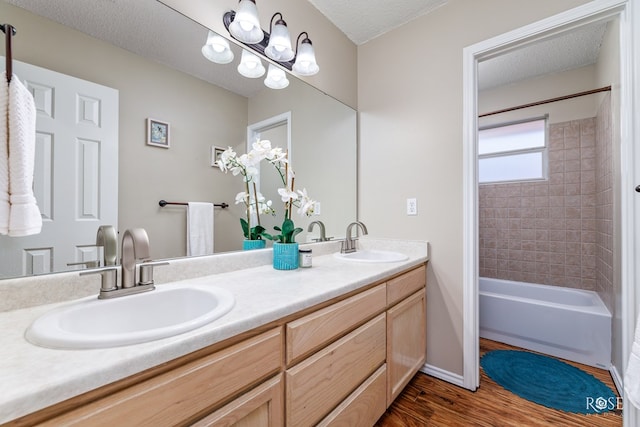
(567, 51)
(149, 28)
(363, 20)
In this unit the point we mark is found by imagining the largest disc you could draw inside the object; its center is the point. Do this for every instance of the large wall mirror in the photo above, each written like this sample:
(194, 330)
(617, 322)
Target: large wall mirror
(151, 56)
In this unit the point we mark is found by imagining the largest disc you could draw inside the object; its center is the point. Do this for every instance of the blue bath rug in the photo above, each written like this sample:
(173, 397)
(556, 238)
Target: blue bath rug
(548, 382)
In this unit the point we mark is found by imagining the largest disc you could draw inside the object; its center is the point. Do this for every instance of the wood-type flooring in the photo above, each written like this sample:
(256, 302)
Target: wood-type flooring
(427, 401)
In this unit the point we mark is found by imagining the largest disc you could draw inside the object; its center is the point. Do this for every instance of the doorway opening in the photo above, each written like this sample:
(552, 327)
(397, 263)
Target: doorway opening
(549, 29)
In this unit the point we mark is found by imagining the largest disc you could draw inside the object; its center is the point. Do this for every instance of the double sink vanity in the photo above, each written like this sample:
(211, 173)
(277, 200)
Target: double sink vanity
(329, 345)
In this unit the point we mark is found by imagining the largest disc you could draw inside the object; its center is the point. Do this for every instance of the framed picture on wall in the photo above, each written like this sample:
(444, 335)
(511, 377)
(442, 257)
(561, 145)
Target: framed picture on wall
(215, 155)
(157, 133)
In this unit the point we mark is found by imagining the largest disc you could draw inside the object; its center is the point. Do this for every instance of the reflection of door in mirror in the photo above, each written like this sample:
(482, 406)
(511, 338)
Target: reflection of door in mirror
(277, 130)
(270, 180)
(77, 150)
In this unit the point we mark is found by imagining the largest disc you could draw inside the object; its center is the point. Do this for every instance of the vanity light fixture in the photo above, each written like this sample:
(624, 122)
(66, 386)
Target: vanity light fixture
(279, 47)
(276, 78)
(217, 49)
(305, 64)
(250, 65)
(245, 26)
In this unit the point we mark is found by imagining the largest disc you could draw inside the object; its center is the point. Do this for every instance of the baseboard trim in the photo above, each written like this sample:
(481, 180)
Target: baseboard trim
(441, 374)
(617, 379)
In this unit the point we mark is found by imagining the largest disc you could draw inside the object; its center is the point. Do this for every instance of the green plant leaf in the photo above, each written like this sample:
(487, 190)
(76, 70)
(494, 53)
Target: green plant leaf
(245, 228)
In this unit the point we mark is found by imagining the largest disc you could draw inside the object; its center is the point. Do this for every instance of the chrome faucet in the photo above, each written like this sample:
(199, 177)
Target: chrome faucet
(323, 236)
(135, 247)
(108, 239)
(349, 244)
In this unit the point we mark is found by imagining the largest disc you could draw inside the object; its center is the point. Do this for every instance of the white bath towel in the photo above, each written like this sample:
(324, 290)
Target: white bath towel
(632, 374)
(199, 228)
(25, 218)
(4, 156)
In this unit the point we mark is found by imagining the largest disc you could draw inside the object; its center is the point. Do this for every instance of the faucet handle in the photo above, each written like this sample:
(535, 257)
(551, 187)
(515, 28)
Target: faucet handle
(109, 279)
(146, 271)
(88, 264)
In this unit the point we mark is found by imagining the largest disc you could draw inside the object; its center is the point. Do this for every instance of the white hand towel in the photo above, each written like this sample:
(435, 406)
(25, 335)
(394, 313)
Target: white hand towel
(632, 374)
(25, 218)
(5, 208)
(199, 228)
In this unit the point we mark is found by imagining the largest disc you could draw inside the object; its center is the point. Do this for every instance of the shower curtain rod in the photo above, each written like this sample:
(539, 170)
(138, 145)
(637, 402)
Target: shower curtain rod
(547, 101)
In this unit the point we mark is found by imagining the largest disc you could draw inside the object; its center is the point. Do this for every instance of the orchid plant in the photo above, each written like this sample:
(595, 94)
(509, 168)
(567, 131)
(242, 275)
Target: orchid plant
(246, 165)
(290, 198)
(255, 203)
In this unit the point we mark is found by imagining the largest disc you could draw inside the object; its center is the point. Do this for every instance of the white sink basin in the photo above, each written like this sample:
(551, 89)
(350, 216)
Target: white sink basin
(166, 311)
(372, 256)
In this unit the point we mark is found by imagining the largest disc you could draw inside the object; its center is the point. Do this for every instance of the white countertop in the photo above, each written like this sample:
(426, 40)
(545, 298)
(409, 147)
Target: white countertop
(34, 377)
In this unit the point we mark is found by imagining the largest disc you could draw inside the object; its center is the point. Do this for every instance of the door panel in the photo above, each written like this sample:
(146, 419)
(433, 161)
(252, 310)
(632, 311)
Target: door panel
(77, 149)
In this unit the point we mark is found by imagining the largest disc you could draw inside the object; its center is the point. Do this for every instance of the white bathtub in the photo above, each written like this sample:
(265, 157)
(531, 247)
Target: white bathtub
(567, 323)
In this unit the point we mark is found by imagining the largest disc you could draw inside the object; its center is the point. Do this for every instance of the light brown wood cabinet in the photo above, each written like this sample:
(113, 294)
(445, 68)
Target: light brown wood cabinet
(406, 342)
(184, 394)
(341, 364)
(406, 329)
(364, 406)
(321, 382)
(260, 407)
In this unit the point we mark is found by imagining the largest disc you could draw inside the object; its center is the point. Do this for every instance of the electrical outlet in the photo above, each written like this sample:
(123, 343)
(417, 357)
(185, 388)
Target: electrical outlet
(412, 206)
(316, 208)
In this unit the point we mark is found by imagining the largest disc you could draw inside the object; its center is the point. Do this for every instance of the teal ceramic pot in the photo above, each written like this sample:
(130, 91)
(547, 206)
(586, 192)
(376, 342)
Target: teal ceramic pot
(248, 245)
(285, 256)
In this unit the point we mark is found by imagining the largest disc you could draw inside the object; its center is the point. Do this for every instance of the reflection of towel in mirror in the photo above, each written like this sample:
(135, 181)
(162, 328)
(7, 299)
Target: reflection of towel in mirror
(632, 374)
(199, 228)
(4, 156)
(25, 218)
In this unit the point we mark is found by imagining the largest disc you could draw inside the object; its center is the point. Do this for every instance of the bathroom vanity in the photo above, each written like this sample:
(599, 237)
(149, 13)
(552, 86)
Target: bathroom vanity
(330, 345)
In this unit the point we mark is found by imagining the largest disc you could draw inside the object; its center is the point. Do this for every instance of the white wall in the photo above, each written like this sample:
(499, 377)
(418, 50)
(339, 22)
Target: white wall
(410, 110)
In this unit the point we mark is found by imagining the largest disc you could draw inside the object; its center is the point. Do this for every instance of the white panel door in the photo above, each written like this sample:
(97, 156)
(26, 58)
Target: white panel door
(76, 172)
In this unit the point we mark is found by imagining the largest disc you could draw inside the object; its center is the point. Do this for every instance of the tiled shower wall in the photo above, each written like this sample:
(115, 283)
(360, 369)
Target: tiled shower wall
(547, 232)
(604, 204)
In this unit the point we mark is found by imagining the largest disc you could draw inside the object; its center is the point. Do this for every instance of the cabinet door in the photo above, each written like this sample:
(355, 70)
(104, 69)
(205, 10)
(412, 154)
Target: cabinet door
(406, 342)
(261, 407)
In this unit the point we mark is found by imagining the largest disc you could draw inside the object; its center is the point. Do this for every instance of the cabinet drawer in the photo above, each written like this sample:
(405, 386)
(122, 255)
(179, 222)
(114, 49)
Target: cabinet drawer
(364, 406)
(260, 407)
(405, 285)
(318, 384)
(318, 329)
(189, 390)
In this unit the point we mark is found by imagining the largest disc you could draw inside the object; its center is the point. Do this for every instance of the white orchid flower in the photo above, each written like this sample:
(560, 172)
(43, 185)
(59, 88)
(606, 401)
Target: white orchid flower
(262, 149)
(242, 197)
(265, 208)
(277, 157)
(287, 194)
(306, 204)
(226, 158)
